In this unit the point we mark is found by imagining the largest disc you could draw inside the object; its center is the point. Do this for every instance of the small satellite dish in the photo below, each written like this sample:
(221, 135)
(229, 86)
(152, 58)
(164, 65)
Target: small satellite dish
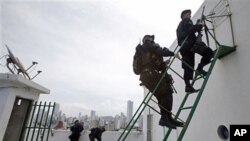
(21, 68)
(16, 63)
(12, 57)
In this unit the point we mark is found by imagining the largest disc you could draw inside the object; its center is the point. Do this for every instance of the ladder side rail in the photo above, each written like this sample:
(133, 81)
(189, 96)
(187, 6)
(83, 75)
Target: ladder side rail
(148, 96)
(177, 115)
(131, 124)
(186, 64)
(138, 115)
(181, 107)
(218, 46)
(175, 72)
(176, 50)
(142, 105)
(153, 108)
(198, 97)
(165, 110)
(186, 96)
(158, 84)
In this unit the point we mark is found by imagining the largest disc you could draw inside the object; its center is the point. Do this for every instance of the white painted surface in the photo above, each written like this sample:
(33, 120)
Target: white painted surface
(63, 135)
(12, 86)
(226, 98)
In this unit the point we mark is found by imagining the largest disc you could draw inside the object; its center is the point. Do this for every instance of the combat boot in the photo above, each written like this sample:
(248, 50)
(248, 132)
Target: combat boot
(177, 123)
(166, 121)
(200, 70)
(190, 89)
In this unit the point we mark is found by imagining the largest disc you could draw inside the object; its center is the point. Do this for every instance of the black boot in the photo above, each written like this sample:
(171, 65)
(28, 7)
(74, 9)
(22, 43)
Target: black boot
(200, 70)
(177, 123)
(166, 121)
(190, 89)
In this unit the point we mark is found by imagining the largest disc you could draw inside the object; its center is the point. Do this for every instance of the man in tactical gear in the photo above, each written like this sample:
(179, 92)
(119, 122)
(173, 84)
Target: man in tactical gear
(192, 45)
(153, 67)
(76, 130)
(96, 133)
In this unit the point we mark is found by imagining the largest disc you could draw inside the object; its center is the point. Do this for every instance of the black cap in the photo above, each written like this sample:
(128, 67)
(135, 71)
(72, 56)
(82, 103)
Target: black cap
(148, 36)
(184, 12)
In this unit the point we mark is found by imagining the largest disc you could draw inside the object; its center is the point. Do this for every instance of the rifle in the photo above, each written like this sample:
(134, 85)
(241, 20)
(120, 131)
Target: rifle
(202, 22)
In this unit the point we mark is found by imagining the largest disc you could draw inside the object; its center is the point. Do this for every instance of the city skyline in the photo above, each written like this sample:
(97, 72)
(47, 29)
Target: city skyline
(92, 113)
(129, 110)
(89, 120)
(85, 48)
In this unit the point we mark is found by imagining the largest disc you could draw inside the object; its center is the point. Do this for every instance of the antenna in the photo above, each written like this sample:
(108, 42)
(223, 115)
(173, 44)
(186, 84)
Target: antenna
(22, 69)
(18, 66)
(38, 72)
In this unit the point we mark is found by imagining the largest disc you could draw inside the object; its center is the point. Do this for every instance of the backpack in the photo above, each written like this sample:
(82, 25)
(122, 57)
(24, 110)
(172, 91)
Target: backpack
(137, 60)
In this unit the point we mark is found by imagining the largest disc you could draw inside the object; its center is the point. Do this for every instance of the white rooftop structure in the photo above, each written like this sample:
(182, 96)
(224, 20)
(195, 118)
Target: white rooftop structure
(16, 95)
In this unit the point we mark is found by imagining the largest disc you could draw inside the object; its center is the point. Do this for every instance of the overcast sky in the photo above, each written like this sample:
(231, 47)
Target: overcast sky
(85, 47)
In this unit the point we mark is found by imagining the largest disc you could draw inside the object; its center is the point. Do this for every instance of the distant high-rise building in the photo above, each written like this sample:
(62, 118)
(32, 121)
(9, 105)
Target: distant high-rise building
(107, 118)
(140, 122)
(57, 109)
(101, 122)
(123, 120)
(129, 110)
(92, 115)
(117, 122)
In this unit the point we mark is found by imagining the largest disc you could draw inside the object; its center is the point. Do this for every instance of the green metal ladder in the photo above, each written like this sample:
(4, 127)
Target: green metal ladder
(220, 52)
(142, 106)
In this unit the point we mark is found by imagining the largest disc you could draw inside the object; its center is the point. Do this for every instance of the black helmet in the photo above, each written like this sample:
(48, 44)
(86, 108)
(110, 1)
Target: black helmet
(184, 12)
(148, 37)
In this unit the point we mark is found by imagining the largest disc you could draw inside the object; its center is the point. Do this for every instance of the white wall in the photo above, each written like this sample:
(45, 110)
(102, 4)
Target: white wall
(62, 135)
(226, 98)
(7, 99)
(12, 86)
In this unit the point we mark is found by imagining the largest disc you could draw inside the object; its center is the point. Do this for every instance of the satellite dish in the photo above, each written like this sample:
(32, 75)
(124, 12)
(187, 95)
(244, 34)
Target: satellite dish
(16, 63)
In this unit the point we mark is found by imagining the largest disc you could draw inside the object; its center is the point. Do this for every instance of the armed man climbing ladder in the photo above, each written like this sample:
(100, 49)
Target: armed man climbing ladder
(200, 74)
(149, 59)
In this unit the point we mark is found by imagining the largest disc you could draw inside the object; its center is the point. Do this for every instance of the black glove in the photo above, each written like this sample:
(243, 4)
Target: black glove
(198, 27)
(198, 21)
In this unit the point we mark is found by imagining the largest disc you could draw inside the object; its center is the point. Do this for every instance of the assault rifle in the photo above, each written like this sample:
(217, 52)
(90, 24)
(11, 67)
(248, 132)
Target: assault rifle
(200, 21)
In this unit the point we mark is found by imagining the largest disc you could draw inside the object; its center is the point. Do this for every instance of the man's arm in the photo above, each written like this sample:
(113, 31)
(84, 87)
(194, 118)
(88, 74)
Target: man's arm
(155, 48)
(72, 128)
(163, 51)
(189, 27)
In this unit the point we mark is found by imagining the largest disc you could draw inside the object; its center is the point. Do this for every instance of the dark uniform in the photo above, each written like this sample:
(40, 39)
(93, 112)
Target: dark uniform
(153, 67)
(96, 133)
(190, 47)
(76, 130)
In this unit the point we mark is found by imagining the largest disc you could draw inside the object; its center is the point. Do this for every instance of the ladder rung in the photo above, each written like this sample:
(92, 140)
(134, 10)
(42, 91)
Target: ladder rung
(211, 61)
(185, 108)
(200, 76)
(193, 92)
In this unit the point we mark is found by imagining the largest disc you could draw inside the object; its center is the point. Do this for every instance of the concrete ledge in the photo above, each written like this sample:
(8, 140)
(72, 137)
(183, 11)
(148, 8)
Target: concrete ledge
(13, 80)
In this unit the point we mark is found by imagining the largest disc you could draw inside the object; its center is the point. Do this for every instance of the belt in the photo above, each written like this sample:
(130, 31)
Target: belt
(146, 70)
(149, 70)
